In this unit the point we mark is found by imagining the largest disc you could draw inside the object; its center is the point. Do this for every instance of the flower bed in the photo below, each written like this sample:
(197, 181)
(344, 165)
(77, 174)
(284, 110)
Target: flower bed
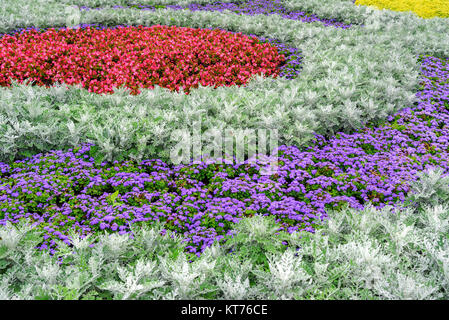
(72, 192)
(67, 190)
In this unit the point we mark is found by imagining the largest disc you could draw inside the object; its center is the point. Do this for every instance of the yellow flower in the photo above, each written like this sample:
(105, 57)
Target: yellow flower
(423, 8)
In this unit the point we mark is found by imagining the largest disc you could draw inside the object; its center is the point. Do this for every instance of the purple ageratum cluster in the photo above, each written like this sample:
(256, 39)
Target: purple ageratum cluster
(250, 7)
(290, 69)
(203, 200)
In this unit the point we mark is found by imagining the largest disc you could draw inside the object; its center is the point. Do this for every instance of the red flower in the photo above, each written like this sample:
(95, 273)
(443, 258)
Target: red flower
(137, 57)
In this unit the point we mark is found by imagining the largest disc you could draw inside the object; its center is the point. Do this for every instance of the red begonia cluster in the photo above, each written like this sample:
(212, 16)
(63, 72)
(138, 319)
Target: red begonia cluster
(136, 57)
